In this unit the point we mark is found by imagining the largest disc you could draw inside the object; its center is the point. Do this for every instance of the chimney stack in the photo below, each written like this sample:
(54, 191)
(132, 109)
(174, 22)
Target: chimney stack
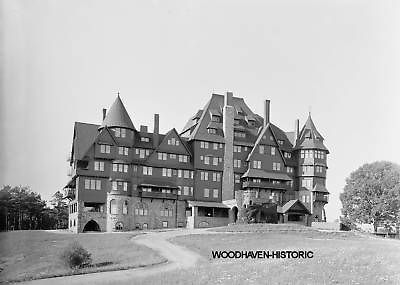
(296, 132)
(104, 113)
(156, 129)
(143, 129)
(266, 112)
(229, 99)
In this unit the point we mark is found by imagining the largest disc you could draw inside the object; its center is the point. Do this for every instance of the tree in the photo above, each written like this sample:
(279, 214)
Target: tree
(372, 195)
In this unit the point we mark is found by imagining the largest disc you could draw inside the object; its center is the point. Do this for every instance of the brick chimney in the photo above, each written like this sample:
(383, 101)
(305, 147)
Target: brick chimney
(266, 112)
(228, 176)
(296, 132)
(104, 113)
(156, 130)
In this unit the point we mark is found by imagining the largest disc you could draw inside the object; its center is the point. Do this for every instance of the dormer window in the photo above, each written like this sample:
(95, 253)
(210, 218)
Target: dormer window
(216, 118)
(145, 139)
(212, 131)
(173, 141)
(239, 134)
(280, 142)
(119, 132)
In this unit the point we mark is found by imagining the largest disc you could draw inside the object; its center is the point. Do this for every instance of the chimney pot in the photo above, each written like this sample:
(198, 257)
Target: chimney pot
(296, 131)
(104, 113)
(266, 112)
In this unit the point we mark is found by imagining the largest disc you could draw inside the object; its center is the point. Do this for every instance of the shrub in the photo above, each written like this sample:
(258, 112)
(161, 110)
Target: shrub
(75, 256)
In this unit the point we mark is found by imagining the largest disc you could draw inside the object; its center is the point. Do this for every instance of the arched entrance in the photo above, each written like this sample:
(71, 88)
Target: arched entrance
(91, 226)
(235, 213)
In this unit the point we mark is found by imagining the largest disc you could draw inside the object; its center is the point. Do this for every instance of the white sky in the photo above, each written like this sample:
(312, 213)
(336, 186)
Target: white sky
(63, 61)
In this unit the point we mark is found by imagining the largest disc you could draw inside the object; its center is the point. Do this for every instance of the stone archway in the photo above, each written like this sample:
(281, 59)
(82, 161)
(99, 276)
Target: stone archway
(91, 226)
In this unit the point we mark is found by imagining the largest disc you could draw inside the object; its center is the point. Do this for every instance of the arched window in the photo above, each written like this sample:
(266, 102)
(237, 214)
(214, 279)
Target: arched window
(145, 226)
(113, 207)
(141, 209)
(125, 208)
(119, 226)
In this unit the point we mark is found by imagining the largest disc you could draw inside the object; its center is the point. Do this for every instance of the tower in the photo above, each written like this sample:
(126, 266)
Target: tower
(311, 171)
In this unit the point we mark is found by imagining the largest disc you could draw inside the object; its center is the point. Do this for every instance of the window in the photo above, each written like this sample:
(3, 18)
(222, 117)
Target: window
(203, 175)
(215, 160)
(119, 226)
(206, 192)
(99, 165)
(166, 212)
(236, 122)
(188, 191)
(237, 148)
(273, 149)
(125, 208)
(120, 185)
(92, 184)
(167, 172)
(287, 154)
(280, 142)
(142, 152)
(120, 167)
(220, 145)
(237, 178)
(203, 144)
(271, 138)
(162, 156)
(165, 224)
(113, 207)
(147, 170)
(215, 193)
(173, 141)
(216, 177)
(206, 160)
(289, 169)
(302, 154)
(239, 134)
(216, 118)
(123, 150)
(257, 164)
(307, 183)
(186, 174)
(215, 146)
(105, 148)
(141, 209)
(261, 149)
(256, 180)
(212, 131)
(183, 158)
(237, 163)
(145, 139)
(276, 166)
(120, 132)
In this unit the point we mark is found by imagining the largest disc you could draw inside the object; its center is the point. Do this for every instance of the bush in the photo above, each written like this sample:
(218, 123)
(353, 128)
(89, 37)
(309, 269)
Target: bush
(75, 256)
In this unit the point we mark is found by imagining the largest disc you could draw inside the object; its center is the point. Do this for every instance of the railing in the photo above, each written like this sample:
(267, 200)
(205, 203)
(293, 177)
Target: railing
(158, 195)
(69, 193)
(321, 198)
(264, 184)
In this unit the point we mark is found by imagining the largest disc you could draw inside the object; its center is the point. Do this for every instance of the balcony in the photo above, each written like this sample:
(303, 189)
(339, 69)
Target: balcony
(321, 198)
(69, 193)
(266, 184)
(157, 195)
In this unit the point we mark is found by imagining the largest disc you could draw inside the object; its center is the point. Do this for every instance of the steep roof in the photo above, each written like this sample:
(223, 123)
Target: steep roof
(200, 121)
(117, 116)
(291, 205)
(309, 137)
(320, 188)
(84, 136)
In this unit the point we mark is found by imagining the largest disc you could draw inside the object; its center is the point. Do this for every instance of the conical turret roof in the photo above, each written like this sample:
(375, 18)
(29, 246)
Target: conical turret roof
(309, 137)
(117, 116)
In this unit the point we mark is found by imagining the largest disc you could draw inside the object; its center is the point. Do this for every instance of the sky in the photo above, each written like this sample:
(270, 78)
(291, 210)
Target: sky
(63, 61)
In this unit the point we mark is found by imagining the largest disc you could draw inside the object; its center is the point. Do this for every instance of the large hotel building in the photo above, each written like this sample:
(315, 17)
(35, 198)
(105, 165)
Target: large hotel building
(225, 161)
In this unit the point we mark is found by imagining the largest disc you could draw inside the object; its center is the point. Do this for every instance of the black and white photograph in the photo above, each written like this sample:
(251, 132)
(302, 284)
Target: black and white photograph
(199, 142)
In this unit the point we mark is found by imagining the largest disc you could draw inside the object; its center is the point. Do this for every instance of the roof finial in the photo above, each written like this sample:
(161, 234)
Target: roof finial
(118, 93)
(309, 111)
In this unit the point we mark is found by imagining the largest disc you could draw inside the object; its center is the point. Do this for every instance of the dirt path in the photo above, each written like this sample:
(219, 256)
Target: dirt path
(178, 258)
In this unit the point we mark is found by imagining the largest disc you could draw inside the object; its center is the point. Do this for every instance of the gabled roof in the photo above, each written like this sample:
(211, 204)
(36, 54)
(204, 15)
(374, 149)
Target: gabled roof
(117, 116)
(274, 131)
(258, 173)
(309, 137)
(215, 105)
(291, 204)
(84, 136)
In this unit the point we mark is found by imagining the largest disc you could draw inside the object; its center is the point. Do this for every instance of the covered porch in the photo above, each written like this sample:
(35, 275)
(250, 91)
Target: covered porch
(295, 212)
(207, 214)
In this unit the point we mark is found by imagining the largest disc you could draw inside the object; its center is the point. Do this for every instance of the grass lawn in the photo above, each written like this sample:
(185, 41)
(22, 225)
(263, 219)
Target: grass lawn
(339, 258)
(28, 255)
